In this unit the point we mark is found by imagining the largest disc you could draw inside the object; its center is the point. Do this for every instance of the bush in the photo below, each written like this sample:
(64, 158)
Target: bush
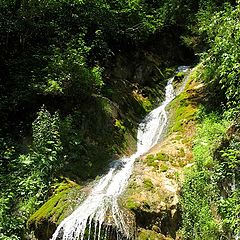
(47, 146)
(221, 62)
(25, 185)
(200, 189)
(67, 71)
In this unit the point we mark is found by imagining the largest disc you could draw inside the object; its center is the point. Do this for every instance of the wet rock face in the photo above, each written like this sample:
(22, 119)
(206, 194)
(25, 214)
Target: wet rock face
(165, 222)
(44, 230)
(136, 66)
(141, 70)
(154, 189)
(153, 198)
(45, 220)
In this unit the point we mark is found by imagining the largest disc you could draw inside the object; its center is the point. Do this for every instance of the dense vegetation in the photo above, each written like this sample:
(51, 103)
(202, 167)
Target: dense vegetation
(211, 190)
(210, 198)
(74, 84)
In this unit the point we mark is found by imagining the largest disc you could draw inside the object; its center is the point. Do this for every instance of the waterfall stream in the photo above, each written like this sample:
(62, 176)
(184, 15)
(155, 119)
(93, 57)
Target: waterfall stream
(91, 214)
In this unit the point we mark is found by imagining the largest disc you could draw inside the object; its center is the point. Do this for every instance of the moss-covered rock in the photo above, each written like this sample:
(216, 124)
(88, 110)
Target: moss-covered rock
(65, 198)
(152, 197)
(144, 234)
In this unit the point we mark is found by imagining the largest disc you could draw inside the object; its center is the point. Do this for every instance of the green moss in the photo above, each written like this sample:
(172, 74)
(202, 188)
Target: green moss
(183, 111)
(58, 206)
(149, 235)
(178, 137)
(186, 140)
(161, 156)
(143, 101)
(164, 167)
(173, 175)
(152, 161)
(148, 184)
(182, 163)
(184, 106)
(149, 157)
(131, 204)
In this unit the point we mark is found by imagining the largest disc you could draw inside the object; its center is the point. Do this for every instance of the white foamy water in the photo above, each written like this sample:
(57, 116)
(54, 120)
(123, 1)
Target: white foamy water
(102, 201)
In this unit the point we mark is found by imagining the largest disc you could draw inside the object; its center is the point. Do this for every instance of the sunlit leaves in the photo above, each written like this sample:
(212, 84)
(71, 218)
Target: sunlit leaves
(67, 71)
(25, 186)
(222, 69)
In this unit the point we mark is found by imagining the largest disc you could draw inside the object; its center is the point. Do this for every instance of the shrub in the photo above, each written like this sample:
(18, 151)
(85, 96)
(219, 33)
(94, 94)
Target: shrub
(25, 186)
(200, 189)
(221, 62)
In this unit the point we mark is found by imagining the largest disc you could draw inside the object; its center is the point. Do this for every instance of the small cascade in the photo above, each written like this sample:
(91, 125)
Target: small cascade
(91, 219)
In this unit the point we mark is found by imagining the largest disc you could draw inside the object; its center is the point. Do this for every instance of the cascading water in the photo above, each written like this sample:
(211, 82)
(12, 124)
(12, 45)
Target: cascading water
(90, 216)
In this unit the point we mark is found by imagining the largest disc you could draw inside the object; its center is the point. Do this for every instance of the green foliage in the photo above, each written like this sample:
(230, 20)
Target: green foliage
(131, 204)
(198, 191)
(154, 161)
(119, 124)
(230, 211)
(210, 202)
(148, 184)
(58, 206)
(229, 177)
(47, 146)
(27, 178)
(221, 62)
(56, 52)
(198, 194)
(67, 71)
(209, 135)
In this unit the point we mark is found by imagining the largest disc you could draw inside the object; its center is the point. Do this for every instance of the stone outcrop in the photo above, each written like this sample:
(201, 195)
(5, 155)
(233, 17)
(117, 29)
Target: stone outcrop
(154, 189)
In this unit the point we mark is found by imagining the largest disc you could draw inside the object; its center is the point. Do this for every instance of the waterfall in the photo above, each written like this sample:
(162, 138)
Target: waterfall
(90, 216)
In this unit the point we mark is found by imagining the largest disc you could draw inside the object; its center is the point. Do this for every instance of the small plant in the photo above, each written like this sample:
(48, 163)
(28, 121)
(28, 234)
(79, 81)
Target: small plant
(152, 161)
(148, 184)
(179, 76)
(119, 124)
(164, 167)
(161, 156)
(131, 204)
